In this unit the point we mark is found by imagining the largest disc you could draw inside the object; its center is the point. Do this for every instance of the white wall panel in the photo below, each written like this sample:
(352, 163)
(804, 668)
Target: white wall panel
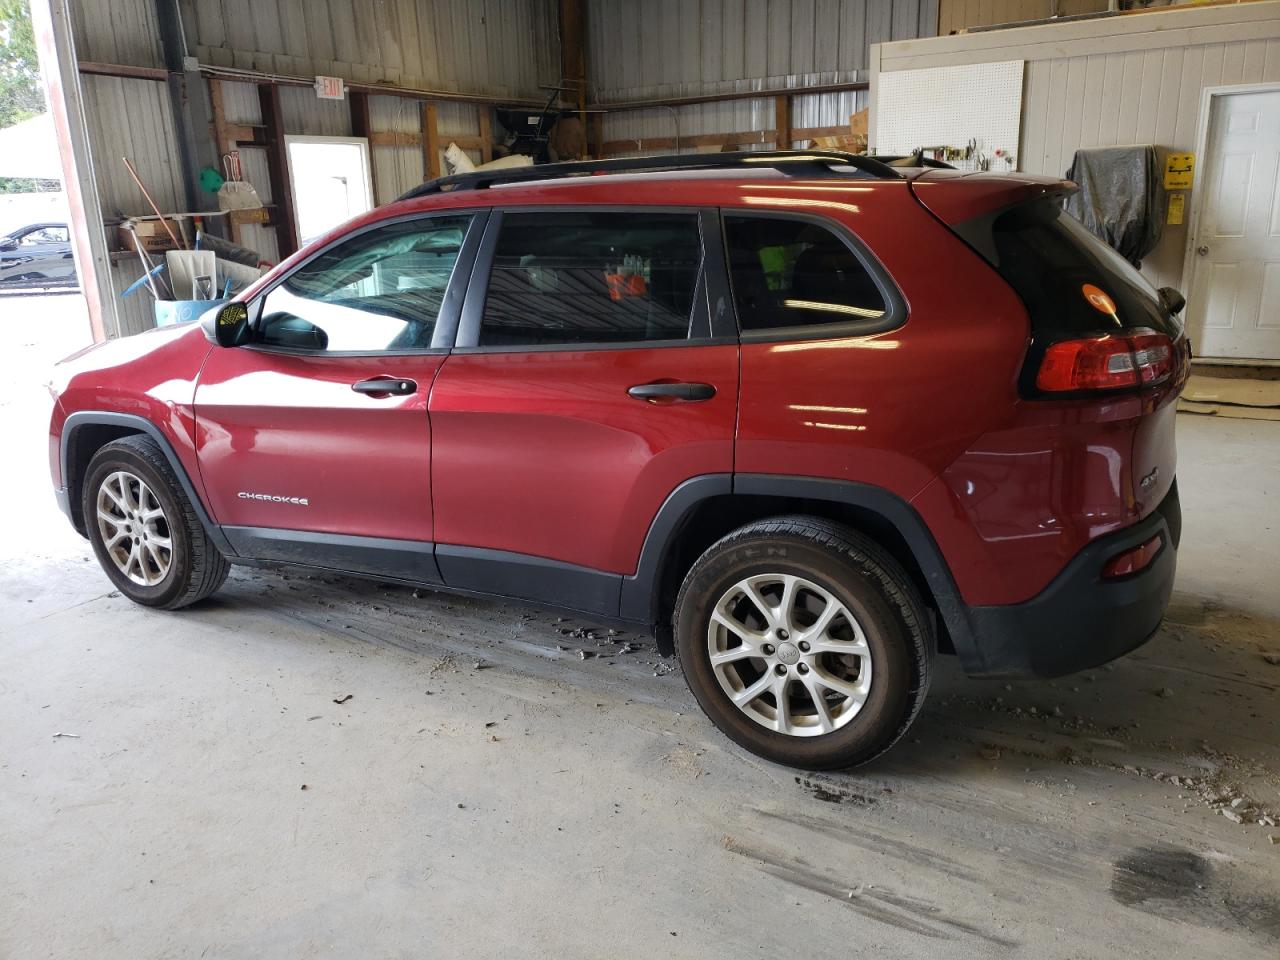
(1115, 81)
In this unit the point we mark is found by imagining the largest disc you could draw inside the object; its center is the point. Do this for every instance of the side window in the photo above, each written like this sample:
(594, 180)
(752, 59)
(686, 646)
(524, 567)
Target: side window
(44, 235)
(794, 273)
(381, 290)
(577, 278)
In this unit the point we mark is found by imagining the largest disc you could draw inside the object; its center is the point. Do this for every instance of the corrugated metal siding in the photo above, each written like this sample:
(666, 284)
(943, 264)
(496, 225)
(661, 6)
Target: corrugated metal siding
(688, 47)
(961, 14)
(1122, 80)
(499, 47)
(122, 31)
(131, 118)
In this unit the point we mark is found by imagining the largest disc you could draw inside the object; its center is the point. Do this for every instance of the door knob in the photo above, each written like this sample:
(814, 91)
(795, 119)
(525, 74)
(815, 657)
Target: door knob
(1203, 251)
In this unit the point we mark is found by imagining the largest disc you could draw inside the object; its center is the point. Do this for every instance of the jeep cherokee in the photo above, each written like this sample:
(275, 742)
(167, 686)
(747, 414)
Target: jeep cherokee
(809, 418)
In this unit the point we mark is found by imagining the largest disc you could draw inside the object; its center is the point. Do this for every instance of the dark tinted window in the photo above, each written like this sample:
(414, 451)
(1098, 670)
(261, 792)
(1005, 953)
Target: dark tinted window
(795, 273)
(1049, 259)
(592, 278)
(381, 290)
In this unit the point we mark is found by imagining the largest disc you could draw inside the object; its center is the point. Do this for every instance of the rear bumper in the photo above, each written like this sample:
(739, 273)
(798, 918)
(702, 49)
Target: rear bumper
(1080, 620)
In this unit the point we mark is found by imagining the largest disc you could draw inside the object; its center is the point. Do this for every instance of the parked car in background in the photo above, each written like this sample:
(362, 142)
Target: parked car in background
(38, 254)
(808, 418)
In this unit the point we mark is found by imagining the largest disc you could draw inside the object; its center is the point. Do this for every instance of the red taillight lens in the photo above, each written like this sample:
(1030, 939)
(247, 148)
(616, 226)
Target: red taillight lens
(1106, 363)
(1131, 561)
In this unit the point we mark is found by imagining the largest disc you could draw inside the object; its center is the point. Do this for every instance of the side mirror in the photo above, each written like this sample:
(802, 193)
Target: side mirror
(227, 325)
(8, 243)
(1172, 299)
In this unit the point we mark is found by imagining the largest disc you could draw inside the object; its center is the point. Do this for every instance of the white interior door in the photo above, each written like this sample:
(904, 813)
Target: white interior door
(1234, 302)
(331, 182)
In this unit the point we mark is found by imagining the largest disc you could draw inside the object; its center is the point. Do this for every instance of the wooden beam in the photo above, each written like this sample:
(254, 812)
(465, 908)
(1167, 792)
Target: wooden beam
(782, 121)
(392, 138)
(739, 138)
(486, 134)
(126, 70)
(734, 95)
(278, 169)
(430, 142)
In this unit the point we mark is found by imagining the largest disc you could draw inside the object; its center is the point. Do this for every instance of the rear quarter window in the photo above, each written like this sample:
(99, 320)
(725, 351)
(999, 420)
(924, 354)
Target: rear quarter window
(792, 275)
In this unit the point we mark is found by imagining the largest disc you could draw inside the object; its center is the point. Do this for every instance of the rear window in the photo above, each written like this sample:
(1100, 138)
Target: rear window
(1059, 269)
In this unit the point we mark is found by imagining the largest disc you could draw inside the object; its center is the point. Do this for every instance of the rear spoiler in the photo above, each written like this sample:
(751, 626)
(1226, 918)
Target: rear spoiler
(955, 199)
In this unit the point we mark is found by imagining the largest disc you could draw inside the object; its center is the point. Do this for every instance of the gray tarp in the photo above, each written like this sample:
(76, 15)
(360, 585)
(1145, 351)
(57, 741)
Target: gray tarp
(1121, 197)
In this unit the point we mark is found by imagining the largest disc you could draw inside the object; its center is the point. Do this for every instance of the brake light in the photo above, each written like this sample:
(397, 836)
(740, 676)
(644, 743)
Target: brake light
(1106, 363)
(1132, 561)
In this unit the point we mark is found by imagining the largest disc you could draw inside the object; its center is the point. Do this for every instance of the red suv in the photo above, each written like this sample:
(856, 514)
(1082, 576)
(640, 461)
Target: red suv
(809, 418)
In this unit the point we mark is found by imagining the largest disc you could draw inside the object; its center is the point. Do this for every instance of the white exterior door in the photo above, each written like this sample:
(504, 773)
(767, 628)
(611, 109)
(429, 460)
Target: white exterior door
(1234, 302)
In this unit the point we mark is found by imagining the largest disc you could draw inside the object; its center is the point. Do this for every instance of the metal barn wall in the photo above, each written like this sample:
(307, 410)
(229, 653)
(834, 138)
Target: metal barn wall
(956, 15)
(666, 48)
(491, 47)
(1132, 79)
(499, 47)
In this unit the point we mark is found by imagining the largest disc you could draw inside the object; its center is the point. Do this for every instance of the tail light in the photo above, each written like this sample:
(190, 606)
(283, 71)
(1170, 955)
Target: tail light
(1134, 560)
(1106, 363)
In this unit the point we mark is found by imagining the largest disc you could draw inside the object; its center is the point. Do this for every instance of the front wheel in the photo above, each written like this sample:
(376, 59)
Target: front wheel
(804, 642)
(144, 530)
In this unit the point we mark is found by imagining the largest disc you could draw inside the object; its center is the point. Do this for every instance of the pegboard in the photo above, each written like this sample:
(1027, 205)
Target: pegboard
(949, 106)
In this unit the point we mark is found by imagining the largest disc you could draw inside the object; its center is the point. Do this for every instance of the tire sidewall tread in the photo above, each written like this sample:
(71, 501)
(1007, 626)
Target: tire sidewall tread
(197, 568)
(865, 577)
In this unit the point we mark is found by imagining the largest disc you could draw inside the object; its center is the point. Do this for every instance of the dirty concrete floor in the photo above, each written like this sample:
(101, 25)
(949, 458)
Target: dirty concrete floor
(215, 799)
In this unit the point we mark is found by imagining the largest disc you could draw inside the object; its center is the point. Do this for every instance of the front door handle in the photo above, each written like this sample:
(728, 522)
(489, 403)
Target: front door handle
(385, 387)
(686, 392)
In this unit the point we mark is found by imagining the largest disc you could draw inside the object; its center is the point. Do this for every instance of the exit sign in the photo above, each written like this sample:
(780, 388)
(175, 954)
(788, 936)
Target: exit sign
(330, 88)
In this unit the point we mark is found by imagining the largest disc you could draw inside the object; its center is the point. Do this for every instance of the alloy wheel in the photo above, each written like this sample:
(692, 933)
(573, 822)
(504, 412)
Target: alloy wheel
(135, 532)
(789, 654)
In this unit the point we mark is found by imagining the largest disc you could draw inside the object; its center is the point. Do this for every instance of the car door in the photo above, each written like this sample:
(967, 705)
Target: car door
(593, 375)
(314, 439)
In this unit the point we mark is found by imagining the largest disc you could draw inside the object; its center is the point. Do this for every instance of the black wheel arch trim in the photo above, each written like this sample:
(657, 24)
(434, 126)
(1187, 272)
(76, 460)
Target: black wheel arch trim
(83, 418)
(640, 598)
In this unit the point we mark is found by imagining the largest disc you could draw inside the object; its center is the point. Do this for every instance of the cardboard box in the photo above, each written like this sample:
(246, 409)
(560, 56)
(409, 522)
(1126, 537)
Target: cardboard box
(151, 234)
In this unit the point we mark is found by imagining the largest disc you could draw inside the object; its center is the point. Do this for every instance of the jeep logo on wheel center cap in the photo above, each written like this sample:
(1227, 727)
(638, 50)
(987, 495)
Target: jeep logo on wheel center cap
(788, 653)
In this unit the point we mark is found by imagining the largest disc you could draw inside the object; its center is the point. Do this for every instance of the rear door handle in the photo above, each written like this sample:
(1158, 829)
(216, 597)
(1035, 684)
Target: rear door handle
(687, 392)
(385, 387)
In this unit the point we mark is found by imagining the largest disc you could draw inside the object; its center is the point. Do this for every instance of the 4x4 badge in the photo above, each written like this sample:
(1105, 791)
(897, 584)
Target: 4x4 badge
(1150, 479)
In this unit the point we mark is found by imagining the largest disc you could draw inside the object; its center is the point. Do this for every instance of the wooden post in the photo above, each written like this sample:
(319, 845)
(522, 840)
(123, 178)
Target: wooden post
(360, 127)
(278, 168)
(573, 54)
(486, 132)
(782, 121)
(430, 142)
(597, 135)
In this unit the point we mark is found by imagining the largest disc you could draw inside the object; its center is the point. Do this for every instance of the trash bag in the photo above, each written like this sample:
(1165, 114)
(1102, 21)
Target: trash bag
(1121, 198)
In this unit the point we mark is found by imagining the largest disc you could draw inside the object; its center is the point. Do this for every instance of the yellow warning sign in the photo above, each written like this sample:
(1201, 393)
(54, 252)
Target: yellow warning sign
(1179, 171)
(1177, 206)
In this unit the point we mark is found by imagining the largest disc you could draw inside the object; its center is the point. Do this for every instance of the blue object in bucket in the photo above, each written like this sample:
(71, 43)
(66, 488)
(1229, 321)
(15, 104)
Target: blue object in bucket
(169, 312)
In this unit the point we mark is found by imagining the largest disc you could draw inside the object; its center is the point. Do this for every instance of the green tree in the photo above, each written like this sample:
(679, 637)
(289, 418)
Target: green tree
(20, 94)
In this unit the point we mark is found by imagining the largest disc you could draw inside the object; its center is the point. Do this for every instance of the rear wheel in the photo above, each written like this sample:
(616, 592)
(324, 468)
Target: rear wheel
(144, 530)
(804, 642)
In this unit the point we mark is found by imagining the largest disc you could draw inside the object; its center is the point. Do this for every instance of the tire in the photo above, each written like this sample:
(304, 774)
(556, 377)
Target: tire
(132, 479)
(878, 647)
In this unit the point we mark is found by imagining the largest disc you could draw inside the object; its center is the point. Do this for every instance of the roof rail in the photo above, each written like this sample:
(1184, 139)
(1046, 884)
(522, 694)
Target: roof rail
(798, 163)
